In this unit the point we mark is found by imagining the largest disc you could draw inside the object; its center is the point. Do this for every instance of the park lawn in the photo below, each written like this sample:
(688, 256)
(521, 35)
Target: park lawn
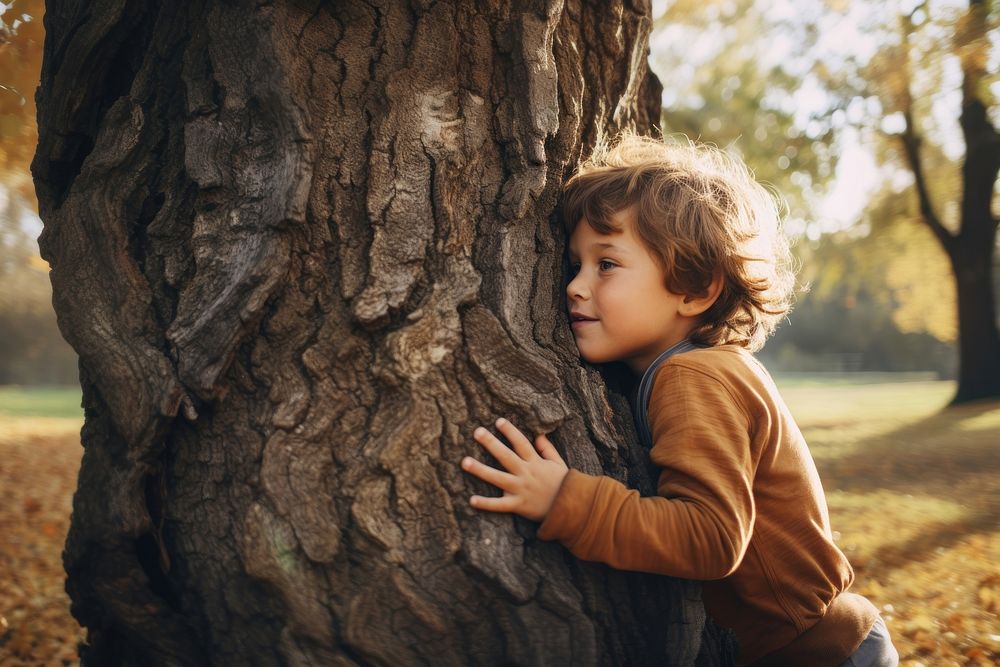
(40, 402)
(913, 490)
(914, 497)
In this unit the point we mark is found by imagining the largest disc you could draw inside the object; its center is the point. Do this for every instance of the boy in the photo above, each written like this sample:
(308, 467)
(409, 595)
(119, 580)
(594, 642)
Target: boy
(681, 271)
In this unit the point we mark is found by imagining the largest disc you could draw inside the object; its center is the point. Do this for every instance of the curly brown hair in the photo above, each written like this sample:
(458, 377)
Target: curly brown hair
(701, 213)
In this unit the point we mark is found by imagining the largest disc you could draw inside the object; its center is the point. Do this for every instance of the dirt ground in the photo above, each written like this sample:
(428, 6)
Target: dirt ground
(914, 499)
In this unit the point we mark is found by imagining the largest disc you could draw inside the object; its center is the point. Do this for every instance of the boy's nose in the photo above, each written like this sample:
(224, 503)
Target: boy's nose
(576, 289)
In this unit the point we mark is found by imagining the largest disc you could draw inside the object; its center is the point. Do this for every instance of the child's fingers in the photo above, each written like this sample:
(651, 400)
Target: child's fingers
(501, 504)
(498, 478)
(520, 441)
(500, 451)
(546, 449)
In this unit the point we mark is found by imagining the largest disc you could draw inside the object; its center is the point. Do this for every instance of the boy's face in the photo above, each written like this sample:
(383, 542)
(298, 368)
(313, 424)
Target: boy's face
(620, 307)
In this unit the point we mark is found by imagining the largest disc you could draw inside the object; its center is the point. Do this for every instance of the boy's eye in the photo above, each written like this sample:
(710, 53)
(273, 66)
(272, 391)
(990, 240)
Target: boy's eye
(574, 268)
(606, 265)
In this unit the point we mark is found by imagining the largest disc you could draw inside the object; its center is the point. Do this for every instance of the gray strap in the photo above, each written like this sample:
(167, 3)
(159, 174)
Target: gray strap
(641, 410)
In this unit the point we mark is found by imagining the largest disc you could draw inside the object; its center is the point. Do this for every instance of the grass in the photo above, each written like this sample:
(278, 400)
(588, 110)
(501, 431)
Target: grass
(839, 418)
(40, 402)
(33, 415)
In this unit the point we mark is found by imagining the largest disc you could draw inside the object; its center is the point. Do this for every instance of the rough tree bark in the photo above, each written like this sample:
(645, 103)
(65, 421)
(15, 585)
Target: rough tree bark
(302, 249)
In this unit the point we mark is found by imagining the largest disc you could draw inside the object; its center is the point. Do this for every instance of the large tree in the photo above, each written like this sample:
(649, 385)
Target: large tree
(971, 242)
(302, 249)
(927, 90)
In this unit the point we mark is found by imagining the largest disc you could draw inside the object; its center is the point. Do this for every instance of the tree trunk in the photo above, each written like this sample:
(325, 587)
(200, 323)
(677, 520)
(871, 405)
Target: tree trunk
(979, 344)
(971, 254)
(302, 250)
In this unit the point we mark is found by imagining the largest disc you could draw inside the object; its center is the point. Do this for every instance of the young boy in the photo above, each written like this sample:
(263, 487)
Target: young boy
(681, 271)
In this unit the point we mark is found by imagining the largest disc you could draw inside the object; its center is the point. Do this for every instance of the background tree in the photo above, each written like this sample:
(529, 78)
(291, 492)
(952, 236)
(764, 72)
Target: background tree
(971, 243)
(931, 69)
(302, 249)
(788, 87)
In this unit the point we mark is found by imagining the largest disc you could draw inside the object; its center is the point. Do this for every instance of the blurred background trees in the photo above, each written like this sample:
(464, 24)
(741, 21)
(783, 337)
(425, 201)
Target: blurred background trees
(32, 350)
(821, 97)
(877, 123)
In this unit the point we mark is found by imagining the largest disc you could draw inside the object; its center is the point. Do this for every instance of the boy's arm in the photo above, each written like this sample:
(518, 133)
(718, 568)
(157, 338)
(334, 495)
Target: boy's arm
(700, 525)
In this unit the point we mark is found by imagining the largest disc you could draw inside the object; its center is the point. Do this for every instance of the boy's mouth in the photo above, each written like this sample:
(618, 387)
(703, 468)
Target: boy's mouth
(579, 318)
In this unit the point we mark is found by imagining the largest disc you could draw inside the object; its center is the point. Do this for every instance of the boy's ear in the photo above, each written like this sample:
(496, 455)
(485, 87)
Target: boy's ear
(692, 306)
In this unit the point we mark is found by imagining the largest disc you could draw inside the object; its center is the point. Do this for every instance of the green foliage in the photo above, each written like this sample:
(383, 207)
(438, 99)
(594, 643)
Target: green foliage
(881, 298)
(734, 77)
(897, 263)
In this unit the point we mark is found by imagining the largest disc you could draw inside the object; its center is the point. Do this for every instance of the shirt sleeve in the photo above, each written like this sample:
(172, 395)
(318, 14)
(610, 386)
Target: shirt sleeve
(700, 524)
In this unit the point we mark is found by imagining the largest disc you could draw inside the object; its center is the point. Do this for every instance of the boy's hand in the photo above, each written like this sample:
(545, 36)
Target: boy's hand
(532, 479)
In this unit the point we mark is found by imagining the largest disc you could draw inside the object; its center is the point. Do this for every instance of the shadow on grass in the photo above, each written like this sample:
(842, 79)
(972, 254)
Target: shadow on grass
(942, 456)
(935, 537)
(930, 452)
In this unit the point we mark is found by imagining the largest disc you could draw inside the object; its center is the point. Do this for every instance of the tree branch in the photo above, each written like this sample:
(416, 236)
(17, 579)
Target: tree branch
(911, 145)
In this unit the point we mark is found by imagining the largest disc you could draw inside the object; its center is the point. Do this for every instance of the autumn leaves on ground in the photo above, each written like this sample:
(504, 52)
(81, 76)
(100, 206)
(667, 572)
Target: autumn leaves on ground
(39, 457)
(914, 496)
